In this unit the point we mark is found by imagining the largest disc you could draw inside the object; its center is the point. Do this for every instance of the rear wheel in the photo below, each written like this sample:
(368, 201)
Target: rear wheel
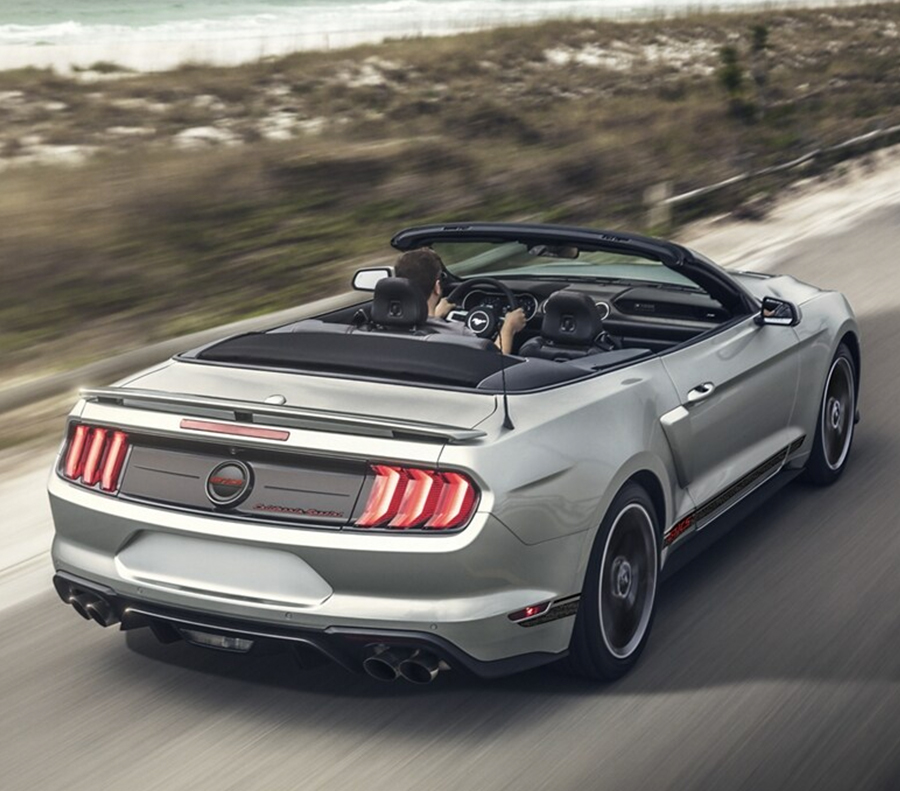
(619, 595)
(835, 422)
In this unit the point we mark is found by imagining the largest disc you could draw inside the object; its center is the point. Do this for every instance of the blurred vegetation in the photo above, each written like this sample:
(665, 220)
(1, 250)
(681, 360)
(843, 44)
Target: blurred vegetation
(204, 194)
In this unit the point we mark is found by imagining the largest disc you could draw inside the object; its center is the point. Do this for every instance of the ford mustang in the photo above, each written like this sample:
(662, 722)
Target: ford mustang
(366, 488)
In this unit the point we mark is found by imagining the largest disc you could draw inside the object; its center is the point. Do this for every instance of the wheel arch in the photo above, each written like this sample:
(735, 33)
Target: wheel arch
(648, 481)
(649, 472)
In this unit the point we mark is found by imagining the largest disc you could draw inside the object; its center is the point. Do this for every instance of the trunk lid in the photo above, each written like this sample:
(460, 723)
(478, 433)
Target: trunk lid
(203, 438)
(390, 401)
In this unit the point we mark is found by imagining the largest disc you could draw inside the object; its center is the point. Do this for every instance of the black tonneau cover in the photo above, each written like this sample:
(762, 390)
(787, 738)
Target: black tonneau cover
(408, 358)
(411, 359)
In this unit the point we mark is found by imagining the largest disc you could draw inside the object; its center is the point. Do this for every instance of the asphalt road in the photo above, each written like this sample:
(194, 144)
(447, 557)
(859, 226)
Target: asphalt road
(774, 661)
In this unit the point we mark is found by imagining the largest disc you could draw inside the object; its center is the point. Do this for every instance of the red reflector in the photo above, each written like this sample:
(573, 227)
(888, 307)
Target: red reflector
(530, 611)
(109, 479)
(456, 502)
(238, 431)
(75, 454)
(95, 450)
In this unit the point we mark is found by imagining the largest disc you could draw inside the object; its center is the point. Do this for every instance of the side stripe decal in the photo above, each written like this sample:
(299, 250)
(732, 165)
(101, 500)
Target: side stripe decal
(720, 502)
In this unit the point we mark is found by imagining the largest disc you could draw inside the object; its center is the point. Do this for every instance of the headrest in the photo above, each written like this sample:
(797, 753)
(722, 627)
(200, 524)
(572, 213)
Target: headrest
(398, 303)
(571, 319)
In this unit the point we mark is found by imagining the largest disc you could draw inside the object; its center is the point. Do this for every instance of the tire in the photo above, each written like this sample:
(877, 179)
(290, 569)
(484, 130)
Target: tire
(618, 600)
(834, 422)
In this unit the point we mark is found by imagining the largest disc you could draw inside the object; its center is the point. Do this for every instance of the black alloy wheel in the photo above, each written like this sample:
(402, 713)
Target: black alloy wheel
(835, 422)
(619, 595)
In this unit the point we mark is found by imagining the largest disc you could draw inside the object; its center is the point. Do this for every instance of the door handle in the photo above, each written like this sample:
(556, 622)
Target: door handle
(701, 393)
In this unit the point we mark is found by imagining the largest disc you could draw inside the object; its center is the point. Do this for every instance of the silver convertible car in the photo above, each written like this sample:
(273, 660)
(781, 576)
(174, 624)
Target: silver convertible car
(390, 492)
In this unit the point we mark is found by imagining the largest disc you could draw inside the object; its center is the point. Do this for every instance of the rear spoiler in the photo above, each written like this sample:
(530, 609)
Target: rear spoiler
(283, 416)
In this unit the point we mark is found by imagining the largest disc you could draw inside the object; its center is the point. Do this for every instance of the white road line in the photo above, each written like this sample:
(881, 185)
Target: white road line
(26, 530)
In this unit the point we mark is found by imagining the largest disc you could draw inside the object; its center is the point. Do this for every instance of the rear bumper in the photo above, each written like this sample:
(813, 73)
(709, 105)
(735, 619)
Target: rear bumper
(344, 646)
(336, 591)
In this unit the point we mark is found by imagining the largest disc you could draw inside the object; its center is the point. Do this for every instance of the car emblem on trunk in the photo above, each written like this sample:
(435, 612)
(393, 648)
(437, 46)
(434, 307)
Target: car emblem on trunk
(229, 483)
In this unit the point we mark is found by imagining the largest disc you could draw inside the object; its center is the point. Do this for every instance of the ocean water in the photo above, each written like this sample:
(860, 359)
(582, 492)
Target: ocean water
(160, 34)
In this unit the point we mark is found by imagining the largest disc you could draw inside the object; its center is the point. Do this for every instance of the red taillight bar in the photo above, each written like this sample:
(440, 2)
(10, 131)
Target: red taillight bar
(109, 478)
(75, 454)
(409, 497)
(456, 502)
(91, 472)
(384, 490)
(96, 455)
(416, 498)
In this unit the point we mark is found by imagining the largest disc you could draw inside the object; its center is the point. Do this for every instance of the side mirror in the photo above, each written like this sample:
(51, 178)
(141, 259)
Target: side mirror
(778, 311)
(365, 279)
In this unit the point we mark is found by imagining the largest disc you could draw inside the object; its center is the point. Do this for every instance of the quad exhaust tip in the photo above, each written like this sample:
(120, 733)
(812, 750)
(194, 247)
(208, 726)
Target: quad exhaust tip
(102, 612)
(382, 664)
(80, 604)
(93, 608)
(389, 664)
(421, 667)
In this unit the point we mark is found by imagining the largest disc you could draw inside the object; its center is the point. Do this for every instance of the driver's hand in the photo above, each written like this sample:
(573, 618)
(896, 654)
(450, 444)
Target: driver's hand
(514, 321)
(443, 308)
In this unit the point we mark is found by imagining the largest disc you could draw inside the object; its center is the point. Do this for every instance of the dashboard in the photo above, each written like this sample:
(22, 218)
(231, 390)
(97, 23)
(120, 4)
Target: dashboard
(629, 303)
(645, 316)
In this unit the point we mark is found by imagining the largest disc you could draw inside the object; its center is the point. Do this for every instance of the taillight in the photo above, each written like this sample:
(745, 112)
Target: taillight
(95, 455)
(408, 497)
(115, 455)
(75, 453)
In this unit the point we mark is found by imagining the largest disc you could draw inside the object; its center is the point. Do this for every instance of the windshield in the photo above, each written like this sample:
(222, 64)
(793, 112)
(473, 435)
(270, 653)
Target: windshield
(465, 259)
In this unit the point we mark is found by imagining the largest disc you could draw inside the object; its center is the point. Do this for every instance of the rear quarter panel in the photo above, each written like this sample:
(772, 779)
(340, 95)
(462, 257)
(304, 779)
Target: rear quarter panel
(572, 449)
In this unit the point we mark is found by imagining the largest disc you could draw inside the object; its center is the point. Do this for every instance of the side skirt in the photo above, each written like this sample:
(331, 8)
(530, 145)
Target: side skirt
(712, 531)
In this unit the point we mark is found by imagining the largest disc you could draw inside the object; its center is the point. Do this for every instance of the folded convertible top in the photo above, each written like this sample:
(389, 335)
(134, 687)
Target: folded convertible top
(407, 358)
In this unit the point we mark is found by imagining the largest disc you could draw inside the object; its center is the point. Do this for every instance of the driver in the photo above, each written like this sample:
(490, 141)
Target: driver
(423, 267)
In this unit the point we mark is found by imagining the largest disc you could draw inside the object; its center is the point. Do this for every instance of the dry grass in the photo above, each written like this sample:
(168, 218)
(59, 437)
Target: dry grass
(562, 121)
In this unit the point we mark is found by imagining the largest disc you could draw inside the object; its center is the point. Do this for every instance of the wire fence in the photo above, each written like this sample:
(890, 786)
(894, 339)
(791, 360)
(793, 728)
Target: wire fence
(661, 203)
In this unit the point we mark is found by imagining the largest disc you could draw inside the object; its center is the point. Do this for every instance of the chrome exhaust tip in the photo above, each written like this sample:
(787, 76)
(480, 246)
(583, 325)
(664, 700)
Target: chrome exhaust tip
(421, 667)
(80, 603)
(382, 664)
(102, 612)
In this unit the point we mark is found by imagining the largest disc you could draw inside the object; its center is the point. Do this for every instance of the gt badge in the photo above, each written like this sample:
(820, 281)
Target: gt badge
(229, 483)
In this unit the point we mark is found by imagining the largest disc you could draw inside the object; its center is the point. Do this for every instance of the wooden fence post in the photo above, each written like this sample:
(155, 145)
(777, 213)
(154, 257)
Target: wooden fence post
(659, 211)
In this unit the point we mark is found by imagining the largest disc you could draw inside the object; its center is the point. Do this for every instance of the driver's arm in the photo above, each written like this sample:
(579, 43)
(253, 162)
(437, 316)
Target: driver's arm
(443, 308)
(512, 323)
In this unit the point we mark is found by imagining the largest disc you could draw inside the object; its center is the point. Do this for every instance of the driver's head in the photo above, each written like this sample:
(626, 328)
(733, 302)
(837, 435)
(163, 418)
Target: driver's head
(422, 267)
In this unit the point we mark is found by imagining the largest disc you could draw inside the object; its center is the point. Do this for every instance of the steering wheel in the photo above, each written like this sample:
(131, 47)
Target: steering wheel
(483, 320)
